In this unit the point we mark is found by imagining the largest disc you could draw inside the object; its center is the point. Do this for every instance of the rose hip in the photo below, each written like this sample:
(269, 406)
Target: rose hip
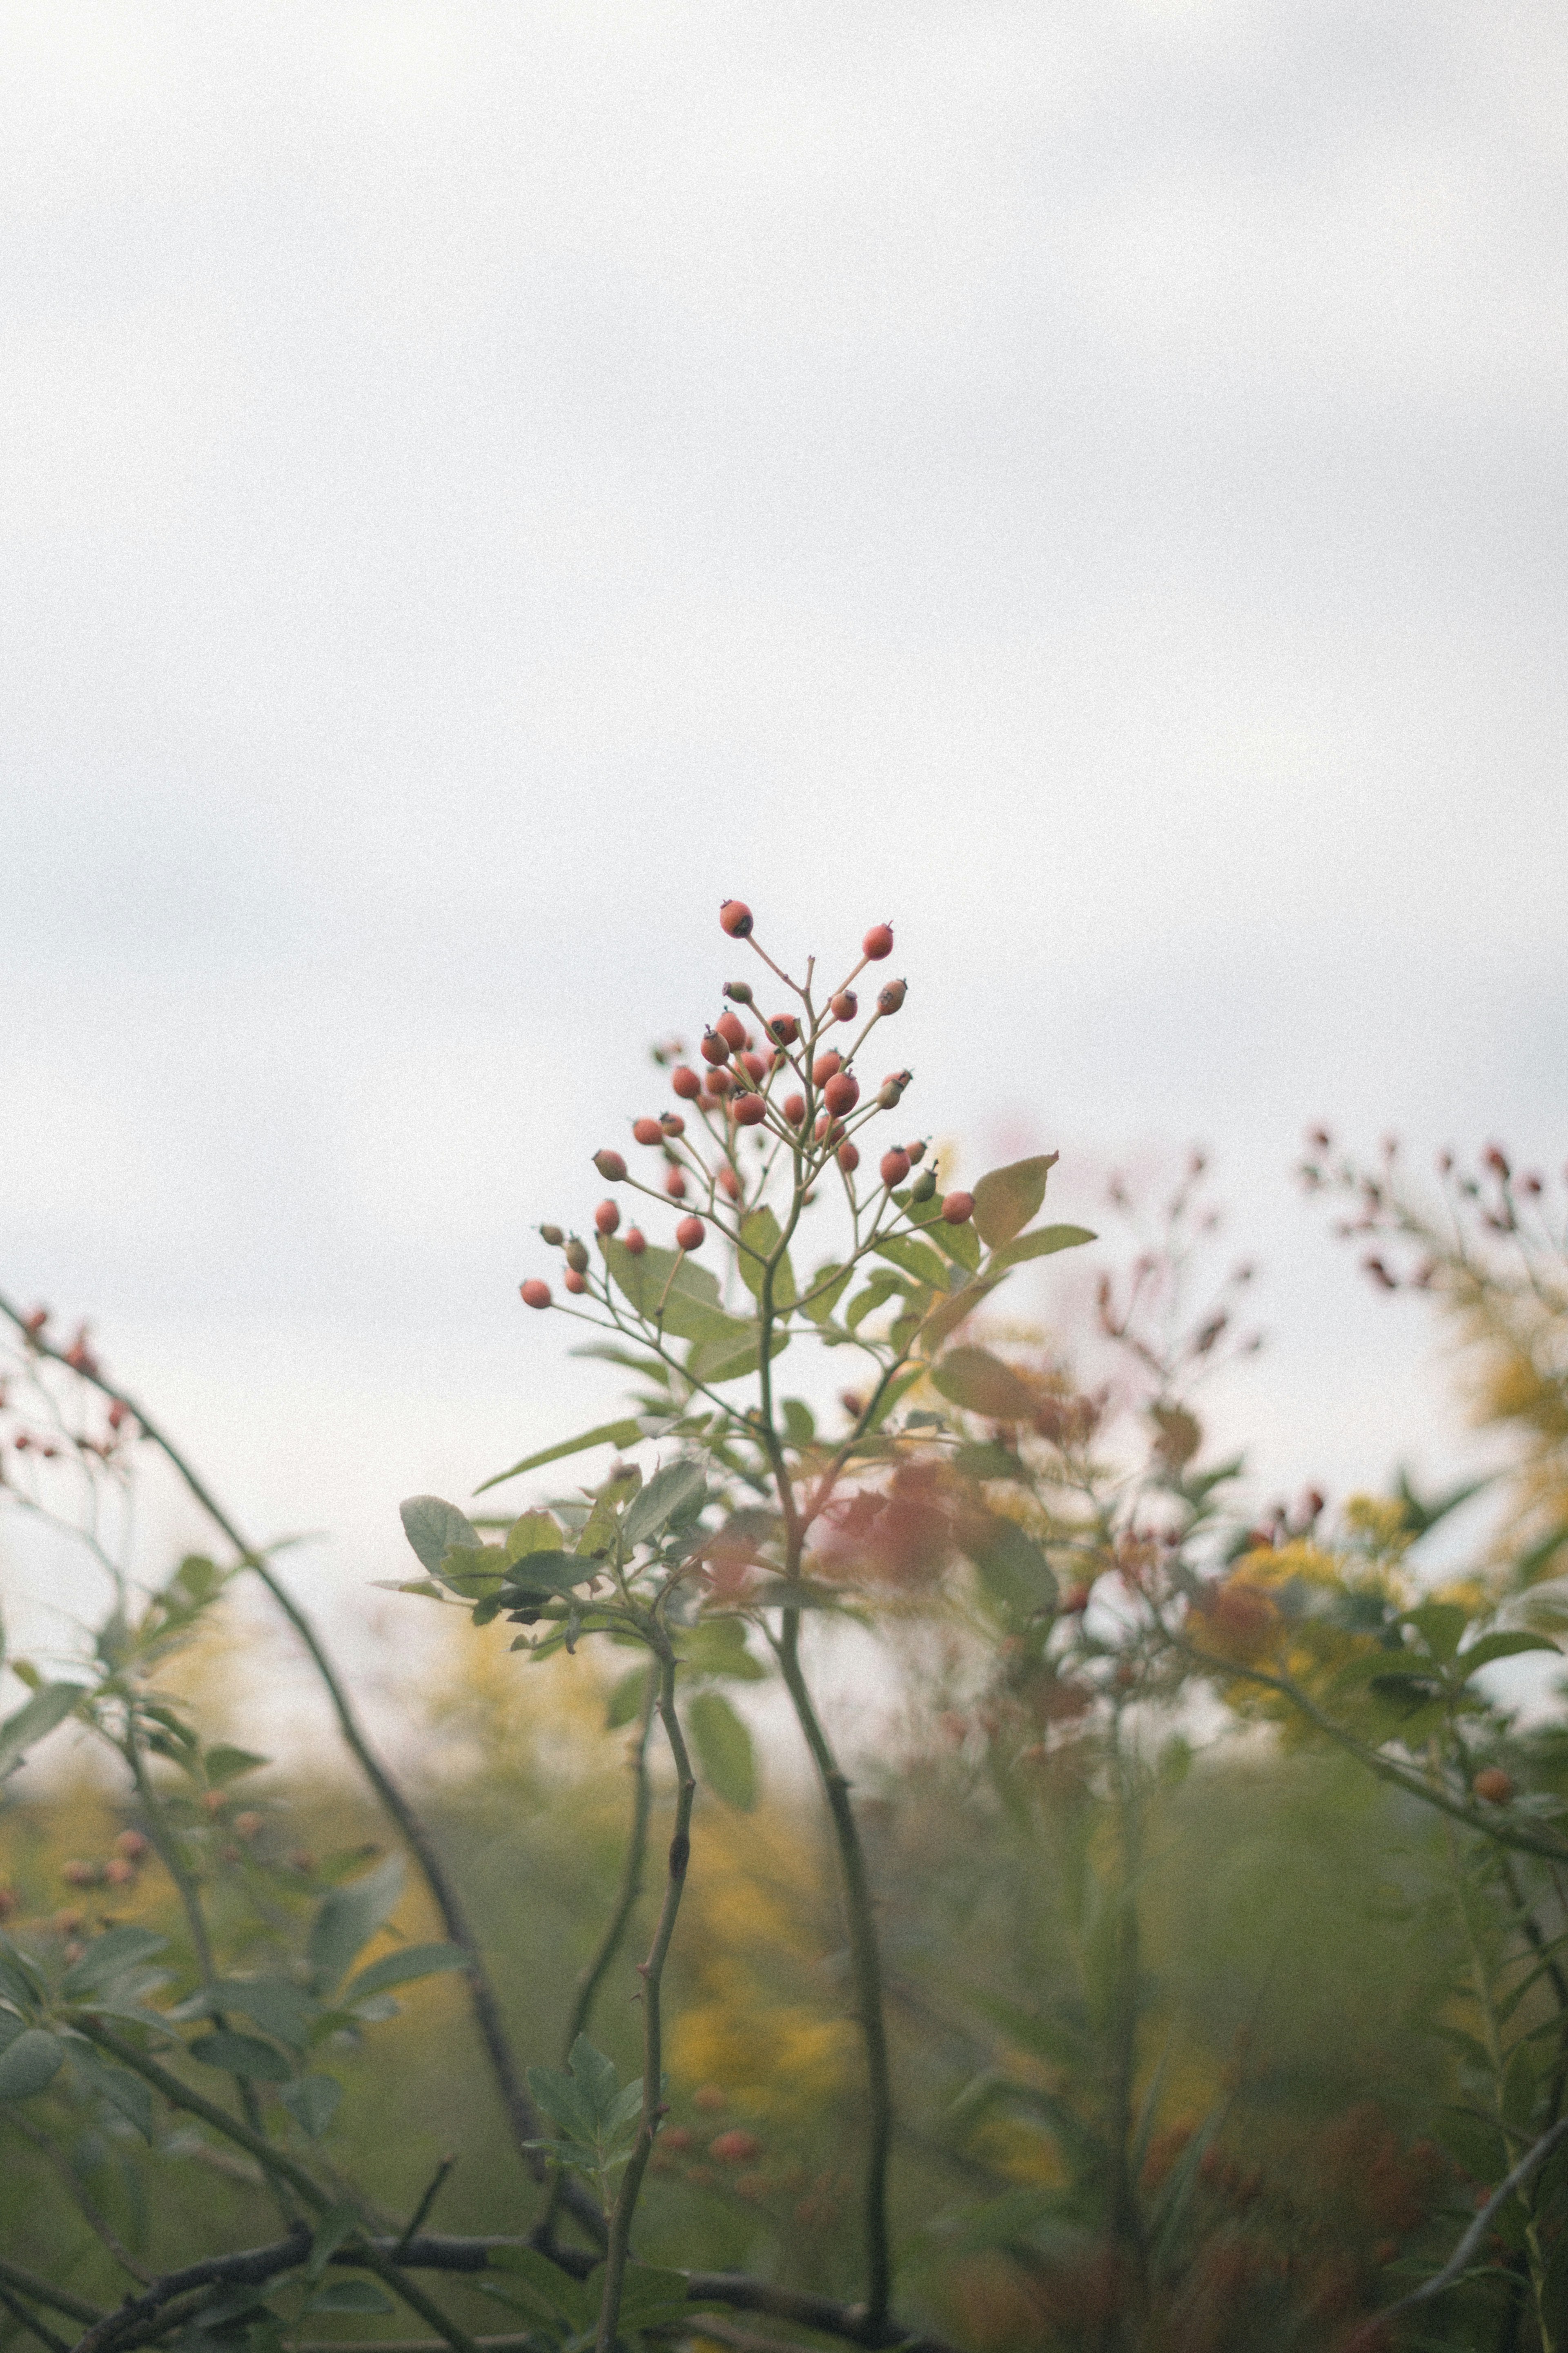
(794, 1109)
(916, 1150)
(829, 1128)
(848, 1158)
(552, 1235)
(671, 1123)
(892, 996)
(757, 1066)
(648, 1131)
(610, 1166)
(736, 918)
(957, 1208)
(826, 1066)
(636, 1242)
(738, 992)
(731, 1029)
(686, 1082)
(535, 1293)
(842, 1093)
(607, 1217)
(577, 1255)
(845, 1006)
(674, 1185)
(573, 1281)
(749, 1111)
(715, 1049)
(729, 1182)
(718, 1083)
(895, 1167)
(878, 942)
(784, 1027)
(691, 1234)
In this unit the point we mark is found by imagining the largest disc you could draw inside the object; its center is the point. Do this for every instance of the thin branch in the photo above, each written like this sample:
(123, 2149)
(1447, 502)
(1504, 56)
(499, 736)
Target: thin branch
(58, 2299)
(30, 2321)
(87, 2206)
(1475, 2236)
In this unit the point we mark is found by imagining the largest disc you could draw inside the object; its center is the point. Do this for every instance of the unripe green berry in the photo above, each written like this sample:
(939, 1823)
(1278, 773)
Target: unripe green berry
(738, 991)
(552, 1235)
(924, 1185)
(577, 1255)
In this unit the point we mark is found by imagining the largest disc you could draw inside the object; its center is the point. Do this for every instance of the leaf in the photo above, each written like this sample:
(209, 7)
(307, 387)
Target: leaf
(20, 1978)
(276, 2004)
(1006, 1198)
(627, 1697)
(728, 1356)
(312, 2103)
(30, 2061)
(1012, 1566)
(724, 1749)
(1042, 1244)
(348, 2294)
(676, 1488)
(717, 1646)
(226, 1764)
(109, 1956)
(1501, 1646)
(799, 1421)
(625, 1432)
(949, 1313)
(961, 1243)
(760, 1237)
(673, 1293)
(122, 2090)
(981, 1383)
(534, 1532)
(650, 2298)
(553, 2294)
(348, 1917)
(241, 2054)
(433, 1527)
(408, 1963)
(915, 1258)
(35, 1718)
(826, 1289)
(1441, 1625)
(881, 1287)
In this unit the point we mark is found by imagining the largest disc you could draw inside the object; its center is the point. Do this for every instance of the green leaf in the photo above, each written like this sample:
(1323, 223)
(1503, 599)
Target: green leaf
(717, 1646)
(625, 1432)
(534, 1532)
(402, 1967)
(961, 1243)
(676, 1489)
(109, 1957)
(1043, 1244)
(627, 1696)
(20, 1978)
(915, 1258)
(276, 2004)
(1006, 1198)
(1441, 1625)
(672, 1293)
(650, 2298)
(799, 1421)
(29, 2061)
(312, 2103)
(348, 1917)
(226, 1764)
(730, 1355)
(826, 1288)
(949, 1313)
(35, 1718)
(349, 2295)
(241, 2054)
(981, 1383)
(123, 2091)
(760, 1237)
(553, 2293)
(724, 1749)
(877, 1294)
(988, 1460)
(433, 1527)
(1012, 1566)
(1501, 1646)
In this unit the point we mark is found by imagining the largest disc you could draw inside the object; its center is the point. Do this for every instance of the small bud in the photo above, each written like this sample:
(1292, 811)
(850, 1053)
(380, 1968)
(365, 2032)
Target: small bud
(924, 1185)
(842, 1093)
(691, 1234)
(826, 1066)
(535, 1293)
(607, 1217)
(636, 1241)
(577, 1255)
(890, 998)
(685, 1082)
(611, 1167)
(552, 1235)
(878, 942)
(845, 1006)
(783, 1028)
(576, 1283)
(738, 992)
(895, 1167)
(848, 1158)
(735, 917)
(958, 1208)
(648, 1131)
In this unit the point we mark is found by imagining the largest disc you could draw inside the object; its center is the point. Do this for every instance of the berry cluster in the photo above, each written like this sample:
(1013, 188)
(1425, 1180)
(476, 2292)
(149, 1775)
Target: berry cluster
(796, 1093)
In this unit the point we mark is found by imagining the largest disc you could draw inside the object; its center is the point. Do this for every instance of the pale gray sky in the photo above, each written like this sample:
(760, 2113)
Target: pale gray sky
(481, 483)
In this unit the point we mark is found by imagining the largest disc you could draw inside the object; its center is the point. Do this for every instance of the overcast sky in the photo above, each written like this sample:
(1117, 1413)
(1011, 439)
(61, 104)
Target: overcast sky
(481, 484)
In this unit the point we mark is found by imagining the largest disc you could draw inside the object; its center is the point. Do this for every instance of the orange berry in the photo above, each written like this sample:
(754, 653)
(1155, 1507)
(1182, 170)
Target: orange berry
(576, 1283)
(845, 1006)
(686, 1082)
(757, 1066)
(828, 1129)
(848, 1158)
(736, 919)
(610, 1166)
(715, 1049)
(535, 1293)
(842, 1093)
(895, 1167)
(709, 2098)
(794, 1109)
(674, 1185)
(648, 1131)
(749, 1111)
(826, 1066)
(892, 996)
(957, 1208)
(691, 1234)
(784, 1028)
(878, 942)
(1494, 1785)
(671, 1123)
(732, 1030)
(131, 1844)
(636, 1242)
(676, 2138)
(718, 1083)
(729, 1182)
(736, 2147)
(118, 1872)
(916, 1151)
(607, 1217)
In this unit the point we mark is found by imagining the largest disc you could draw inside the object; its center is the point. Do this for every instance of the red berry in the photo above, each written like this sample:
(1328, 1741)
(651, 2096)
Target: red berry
(535, 1293)
(715, 1049)
(573, 1281)
(729, 1182)
(890, 998)
(691, 1234)
(1494, 1785)
(895, 1167)
(878, 942)
(848, 1158)
(736, 918)
(674, 1185)
(131, 1844)
(636, 1242)
(736, 2147)
(610, 1166)
(916, 1151)
(718, 1083)
(606, 1216)
(757, 1066)
(686, 1082)
(845, 1006)
(794, 1109)
(842, 1093)
(784, 1027)
(749, 1111)
(1075, 1598)
(829, 1127)
(731, 1029)
(826, 1066)
(648, 1131)
(957, 1208)
(671, 1123)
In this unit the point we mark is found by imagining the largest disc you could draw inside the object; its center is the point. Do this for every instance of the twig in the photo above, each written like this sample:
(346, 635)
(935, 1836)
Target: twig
(1459, 2261)
(432, 2192)
(30, 2321)
(87, 2206)
(58, 2299)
